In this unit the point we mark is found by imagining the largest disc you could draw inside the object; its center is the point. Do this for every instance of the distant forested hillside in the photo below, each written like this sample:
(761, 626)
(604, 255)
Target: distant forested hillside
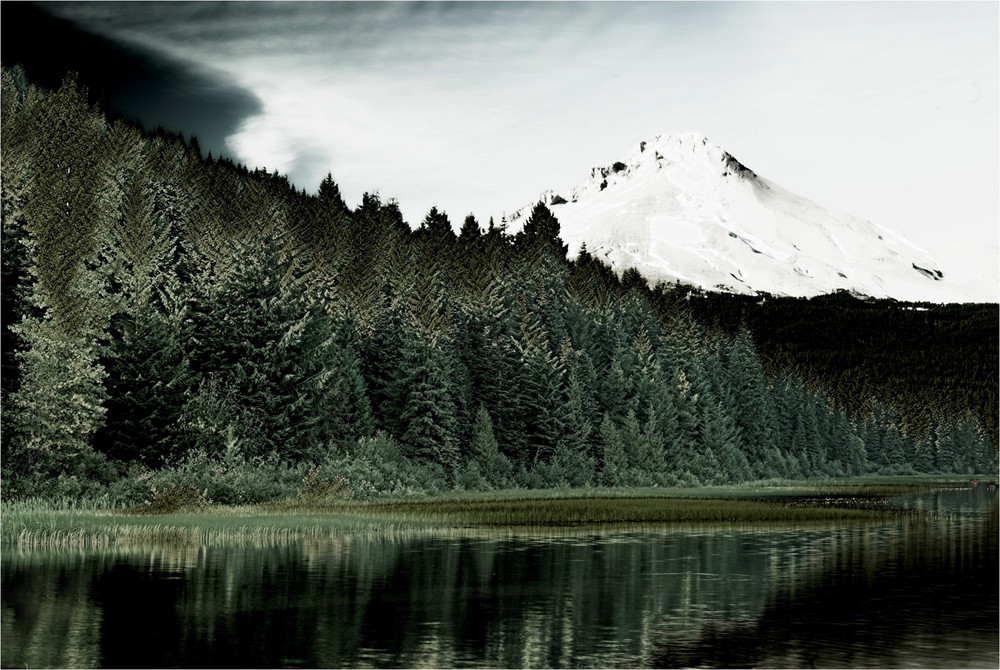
(932, 363)
(179, 324)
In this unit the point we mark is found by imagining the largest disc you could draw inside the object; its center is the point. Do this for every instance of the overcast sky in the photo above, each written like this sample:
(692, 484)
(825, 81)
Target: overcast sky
(884, 110)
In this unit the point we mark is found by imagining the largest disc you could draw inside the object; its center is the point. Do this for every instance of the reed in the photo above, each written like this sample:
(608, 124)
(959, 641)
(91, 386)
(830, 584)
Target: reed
(41, 527)
(40, 524)
(622, 510)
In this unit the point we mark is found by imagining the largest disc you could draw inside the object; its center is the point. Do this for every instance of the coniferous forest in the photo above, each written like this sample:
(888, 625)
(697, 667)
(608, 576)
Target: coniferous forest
(171, 319)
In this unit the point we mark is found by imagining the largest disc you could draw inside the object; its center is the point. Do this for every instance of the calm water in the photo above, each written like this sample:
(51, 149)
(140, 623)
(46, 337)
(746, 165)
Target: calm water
(898, 595)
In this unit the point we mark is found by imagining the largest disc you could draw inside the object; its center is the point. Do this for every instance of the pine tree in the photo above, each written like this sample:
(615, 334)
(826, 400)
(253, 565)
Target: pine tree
(484, 451)
(614, 461)
(61, 210)
(540, 235)
(470, 232)
(145, 357)
(754, 409)
(148, 380)
(541, 399)
(683, 454)
(436, 242)
(59, 405)
(577, 433)
(341, 405)
(428, 409)
(883, 438)
(16, 164)
(262, 336)
(633, 441)
(721, 435)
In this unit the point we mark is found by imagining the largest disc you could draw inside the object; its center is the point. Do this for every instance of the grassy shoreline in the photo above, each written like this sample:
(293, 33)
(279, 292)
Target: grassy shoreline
(35, 524)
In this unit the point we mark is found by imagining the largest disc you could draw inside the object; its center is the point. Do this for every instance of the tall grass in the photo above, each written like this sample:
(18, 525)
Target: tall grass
(26, 525)
(621, 510)
(39, 524)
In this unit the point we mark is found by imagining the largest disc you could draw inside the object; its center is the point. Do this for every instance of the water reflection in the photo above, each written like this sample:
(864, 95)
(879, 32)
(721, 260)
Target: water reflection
(925, 592)
(920, 594)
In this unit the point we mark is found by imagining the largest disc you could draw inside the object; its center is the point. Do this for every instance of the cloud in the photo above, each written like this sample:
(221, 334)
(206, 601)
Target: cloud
(142, 83)
(480, 106)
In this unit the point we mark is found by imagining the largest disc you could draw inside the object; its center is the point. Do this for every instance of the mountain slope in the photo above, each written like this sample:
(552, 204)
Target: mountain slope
(682, 209)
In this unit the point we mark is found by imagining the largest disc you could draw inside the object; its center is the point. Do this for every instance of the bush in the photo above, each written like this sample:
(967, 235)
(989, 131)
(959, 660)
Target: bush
(174, 498)
(316, 488)
(376, 467)
(566, 469)
(230, 479)
(469, 478)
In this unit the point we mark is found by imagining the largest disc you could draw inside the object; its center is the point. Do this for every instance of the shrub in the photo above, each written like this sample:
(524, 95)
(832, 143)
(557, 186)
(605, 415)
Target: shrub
(316, 488)
(230, 479)
(174, 498)
(469, 478)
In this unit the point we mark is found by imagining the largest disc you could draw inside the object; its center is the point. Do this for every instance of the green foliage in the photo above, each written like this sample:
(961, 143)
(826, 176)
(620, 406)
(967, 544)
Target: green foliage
(58, 407)
(174, 321)
(174, 498)
(228, 478)
(316, 489)
(614, 462)
(932, 363)
(428, 409)
(540, 235)
(377, 467)
(493, 467)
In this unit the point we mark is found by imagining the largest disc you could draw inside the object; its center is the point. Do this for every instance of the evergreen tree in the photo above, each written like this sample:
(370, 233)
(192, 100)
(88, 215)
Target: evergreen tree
(343, 408)
(633, 441)
(16, 164)
(61, 211)
(145, 357)
(577, 434)
(436, 240)
(721, 435)
(148, 380)
(470, 232)
(484, 451)
(883, 438)
(541, 382)
(428, 410)
(614, 461)
(262, 336)
(58, 404)
(754, 408)
(58, 407)
(540, 235)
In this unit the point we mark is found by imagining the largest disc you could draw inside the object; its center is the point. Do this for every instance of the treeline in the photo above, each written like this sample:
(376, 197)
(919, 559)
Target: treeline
(934, 364)
(173, 319)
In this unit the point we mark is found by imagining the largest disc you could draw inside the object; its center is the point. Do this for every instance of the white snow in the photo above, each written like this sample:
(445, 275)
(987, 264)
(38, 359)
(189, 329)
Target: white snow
(681, 209)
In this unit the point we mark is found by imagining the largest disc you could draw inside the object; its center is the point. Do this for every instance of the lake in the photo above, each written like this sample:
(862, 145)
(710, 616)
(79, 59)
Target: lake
(910, 593)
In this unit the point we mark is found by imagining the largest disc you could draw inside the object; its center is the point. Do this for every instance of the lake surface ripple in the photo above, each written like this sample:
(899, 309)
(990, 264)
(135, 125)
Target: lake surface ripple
(902, 594)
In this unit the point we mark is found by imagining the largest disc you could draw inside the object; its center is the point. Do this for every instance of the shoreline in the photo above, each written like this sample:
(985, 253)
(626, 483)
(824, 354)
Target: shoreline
(28, 525)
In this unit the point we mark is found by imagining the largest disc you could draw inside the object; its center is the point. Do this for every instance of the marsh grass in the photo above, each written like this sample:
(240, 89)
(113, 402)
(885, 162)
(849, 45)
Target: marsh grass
(40, 524)
(591, 511)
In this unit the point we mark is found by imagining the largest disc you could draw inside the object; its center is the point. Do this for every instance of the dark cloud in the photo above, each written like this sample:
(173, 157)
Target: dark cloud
(136, 82)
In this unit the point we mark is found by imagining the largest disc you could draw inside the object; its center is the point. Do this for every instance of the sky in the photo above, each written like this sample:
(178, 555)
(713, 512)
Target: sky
(885, 110)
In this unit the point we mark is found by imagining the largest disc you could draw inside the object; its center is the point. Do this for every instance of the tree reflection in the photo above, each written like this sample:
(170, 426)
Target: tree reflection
(914, 593)
(926, 596)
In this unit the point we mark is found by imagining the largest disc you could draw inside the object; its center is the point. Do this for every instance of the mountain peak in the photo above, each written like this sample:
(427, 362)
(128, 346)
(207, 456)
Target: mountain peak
(679, 144)
(688, 157)
(687, 148)
(681, 208)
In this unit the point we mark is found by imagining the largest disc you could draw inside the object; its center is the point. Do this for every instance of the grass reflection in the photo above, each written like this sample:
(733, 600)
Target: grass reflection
(34, 524)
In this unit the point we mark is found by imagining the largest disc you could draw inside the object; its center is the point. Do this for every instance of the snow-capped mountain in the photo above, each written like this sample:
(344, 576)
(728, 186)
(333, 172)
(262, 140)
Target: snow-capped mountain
(682, 209)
